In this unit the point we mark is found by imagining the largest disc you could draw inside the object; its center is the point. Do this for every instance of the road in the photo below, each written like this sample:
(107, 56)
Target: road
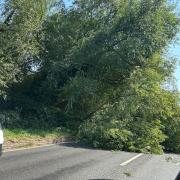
(74, 162)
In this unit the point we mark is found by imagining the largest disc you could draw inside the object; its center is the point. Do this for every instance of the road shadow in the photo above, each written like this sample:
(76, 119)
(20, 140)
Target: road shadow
(178, 176)
(78, 145)
(81, 145)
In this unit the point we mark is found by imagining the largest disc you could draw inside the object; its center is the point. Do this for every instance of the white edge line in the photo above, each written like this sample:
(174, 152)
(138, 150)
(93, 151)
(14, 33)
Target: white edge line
(35, 147)
(130, 160)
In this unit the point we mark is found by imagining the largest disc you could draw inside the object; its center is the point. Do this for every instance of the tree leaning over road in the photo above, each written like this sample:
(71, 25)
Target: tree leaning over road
(99, 69)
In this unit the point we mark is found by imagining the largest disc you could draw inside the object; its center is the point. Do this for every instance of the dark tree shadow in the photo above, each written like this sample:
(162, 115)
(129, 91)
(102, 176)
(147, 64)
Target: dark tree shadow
(178, 176)
(100, 179)
(80, 145)
(77, 145)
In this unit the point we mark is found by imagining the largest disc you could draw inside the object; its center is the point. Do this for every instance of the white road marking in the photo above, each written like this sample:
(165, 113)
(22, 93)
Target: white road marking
(130, 160)
(178, 163)
(35, 147)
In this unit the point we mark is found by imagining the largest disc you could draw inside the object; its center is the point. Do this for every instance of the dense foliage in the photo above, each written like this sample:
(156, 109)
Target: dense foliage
(97, 67)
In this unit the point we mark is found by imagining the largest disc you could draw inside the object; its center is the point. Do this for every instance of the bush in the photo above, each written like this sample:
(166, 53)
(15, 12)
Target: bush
(103, 136)
(147, 137)
(172, 143)
(127, 135)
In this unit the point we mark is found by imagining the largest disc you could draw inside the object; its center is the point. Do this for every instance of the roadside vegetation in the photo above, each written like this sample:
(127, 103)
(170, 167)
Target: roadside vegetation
(98, 68)
(18, 138)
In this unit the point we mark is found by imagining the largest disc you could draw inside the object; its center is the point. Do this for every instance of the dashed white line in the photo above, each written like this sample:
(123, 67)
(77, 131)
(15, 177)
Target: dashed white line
(130, 160)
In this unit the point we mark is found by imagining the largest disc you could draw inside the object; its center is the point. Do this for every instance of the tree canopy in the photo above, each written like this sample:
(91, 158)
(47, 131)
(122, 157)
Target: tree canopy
(97, 67)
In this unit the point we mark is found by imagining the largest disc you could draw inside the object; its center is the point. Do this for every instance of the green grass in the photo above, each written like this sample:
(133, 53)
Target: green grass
(19, 138)
(19, 133)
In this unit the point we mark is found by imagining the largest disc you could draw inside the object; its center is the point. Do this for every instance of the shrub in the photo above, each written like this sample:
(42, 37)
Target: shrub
(129, 135)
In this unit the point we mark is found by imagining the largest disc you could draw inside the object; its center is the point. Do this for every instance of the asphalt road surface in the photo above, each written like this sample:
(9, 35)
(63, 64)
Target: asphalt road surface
(74, 162)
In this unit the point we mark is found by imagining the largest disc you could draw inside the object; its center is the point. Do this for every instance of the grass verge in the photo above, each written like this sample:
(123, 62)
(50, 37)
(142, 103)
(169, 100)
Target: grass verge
(21, 138)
